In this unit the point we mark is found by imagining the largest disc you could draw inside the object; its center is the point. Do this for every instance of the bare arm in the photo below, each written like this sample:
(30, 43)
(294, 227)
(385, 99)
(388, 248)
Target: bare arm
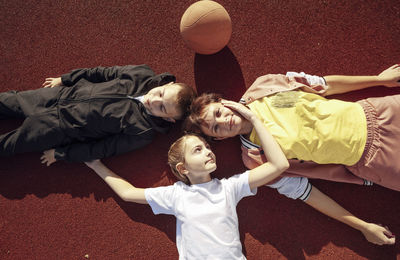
(124, 189)
(341, 84)
(373, 233)
(277, 162)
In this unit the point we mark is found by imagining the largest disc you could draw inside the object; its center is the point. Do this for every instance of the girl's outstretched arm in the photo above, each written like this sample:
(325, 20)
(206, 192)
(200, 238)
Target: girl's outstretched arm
(277, 162)
(373, 233)
(342, 84)
(124, 189)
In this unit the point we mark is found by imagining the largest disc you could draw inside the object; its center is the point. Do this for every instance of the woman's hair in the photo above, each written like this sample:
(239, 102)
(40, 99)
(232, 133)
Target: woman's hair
(176, 154)
(186, 94)
(193, 122)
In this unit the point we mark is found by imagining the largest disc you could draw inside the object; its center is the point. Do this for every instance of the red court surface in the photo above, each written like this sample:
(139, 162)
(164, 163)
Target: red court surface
(67, 212)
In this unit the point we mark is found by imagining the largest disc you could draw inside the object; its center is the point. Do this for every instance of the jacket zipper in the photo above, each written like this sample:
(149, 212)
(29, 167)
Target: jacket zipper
(97, 98)
(106, 97)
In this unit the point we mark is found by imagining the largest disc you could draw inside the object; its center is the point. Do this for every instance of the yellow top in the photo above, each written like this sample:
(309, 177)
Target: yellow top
(313, 128)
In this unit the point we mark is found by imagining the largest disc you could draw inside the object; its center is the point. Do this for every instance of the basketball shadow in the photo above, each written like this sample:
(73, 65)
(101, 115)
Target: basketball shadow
(219, 73)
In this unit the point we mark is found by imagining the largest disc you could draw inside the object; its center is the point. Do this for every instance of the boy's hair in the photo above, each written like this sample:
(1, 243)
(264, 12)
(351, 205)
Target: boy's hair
(176, 154)
(185, 97)
(193, 122)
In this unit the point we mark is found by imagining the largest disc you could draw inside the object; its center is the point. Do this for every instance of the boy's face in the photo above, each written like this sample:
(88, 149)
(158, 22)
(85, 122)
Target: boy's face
(199, 159)
(220, 121)
(162, 102)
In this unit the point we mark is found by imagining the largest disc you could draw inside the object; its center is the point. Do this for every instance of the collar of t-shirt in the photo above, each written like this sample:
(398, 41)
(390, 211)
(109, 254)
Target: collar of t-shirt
(140, 99)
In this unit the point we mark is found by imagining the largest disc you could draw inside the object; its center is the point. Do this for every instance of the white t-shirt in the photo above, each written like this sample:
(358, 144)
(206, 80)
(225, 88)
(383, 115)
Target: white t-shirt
(206, 220)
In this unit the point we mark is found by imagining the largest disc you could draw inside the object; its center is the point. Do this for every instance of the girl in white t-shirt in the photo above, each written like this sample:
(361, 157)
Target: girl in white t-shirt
(205, 208)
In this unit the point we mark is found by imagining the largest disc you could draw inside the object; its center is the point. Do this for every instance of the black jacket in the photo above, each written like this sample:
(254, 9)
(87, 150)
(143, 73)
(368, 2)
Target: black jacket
(97, 110)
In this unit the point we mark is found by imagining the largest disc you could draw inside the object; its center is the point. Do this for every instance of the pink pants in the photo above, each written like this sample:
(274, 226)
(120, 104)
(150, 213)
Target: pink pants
(380, 162)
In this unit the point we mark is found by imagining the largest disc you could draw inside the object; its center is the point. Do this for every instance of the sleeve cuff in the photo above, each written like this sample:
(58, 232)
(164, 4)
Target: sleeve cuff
(311, 79)
(293, 187)
(307, 192)
(65, 79)
(60, 154)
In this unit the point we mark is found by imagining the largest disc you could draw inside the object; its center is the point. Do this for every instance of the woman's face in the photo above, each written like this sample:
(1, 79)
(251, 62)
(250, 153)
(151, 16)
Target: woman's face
(221, 122)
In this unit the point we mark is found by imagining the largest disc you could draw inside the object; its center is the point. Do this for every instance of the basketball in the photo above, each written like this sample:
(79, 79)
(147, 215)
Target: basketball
(206, 27)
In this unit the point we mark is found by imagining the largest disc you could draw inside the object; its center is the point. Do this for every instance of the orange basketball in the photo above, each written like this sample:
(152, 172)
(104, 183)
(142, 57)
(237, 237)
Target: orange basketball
(206, 27)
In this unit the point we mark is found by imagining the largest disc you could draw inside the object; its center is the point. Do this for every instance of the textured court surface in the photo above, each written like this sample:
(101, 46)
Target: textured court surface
(66, 212)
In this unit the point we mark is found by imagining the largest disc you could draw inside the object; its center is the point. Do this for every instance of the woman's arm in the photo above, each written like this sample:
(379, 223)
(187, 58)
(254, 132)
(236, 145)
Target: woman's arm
(373, 233)
(124, 189)
(277, 162)
(342, 84)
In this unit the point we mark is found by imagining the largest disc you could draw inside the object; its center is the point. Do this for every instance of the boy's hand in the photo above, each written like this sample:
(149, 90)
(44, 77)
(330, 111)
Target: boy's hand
(378, 235)
(52, 82)
(391, 76)
(48, 157)
(241, 109)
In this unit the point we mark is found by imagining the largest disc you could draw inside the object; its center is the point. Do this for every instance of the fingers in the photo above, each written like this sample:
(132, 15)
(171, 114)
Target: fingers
(387, 241)
(49, 163)
(386, 237)
(229, 103)
(391, 76)
(388, 233)
(395, 66)
(48, 83)
(239, 108)
(46, 158)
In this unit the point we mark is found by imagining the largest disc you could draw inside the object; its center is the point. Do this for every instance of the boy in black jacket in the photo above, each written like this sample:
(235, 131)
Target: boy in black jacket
(93, 113)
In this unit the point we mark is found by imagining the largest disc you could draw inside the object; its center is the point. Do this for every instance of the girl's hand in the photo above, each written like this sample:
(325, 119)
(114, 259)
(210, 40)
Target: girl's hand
(241, 109)
(52, 82)
(93, 164)
(391, 76)
(378, 235)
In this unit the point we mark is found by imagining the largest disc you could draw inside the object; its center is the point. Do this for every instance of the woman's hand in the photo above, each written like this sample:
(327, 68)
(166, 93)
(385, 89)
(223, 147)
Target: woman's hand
(241, 109)
(52, 82)
(378, 235)
(391, 76)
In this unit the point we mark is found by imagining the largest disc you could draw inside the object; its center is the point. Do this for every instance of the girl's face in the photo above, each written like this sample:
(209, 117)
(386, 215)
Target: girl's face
(221, 122)
(199, 159)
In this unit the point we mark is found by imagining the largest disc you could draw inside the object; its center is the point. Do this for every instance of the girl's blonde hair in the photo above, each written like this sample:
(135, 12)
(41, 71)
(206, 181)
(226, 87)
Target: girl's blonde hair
(176, 154)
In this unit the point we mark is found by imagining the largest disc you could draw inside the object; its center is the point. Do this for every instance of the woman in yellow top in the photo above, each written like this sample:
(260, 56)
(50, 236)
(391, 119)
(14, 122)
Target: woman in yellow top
(362, 136)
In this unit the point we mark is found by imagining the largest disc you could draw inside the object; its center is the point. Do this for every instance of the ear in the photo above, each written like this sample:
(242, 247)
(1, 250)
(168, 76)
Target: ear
(169, 119)
(181, 168)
